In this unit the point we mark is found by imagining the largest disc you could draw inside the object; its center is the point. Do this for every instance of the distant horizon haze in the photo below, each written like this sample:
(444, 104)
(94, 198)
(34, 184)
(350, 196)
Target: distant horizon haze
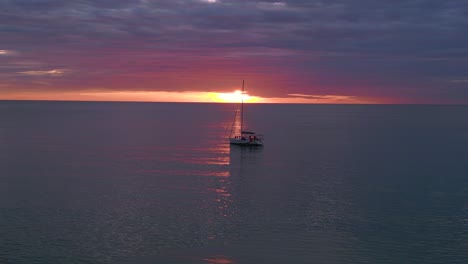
(205, 97)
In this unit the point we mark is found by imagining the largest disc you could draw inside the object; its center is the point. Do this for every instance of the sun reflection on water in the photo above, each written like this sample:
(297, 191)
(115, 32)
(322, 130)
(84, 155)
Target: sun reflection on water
(183, 160)
(219, 259)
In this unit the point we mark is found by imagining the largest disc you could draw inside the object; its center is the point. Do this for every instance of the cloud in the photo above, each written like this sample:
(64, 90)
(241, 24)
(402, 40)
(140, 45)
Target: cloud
(459, 80)
(55, 72)
(7, 52)
(335, 98)
(311, 96)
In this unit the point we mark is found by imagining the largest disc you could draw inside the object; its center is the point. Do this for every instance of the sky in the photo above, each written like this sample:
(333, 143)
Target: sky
(291, 51)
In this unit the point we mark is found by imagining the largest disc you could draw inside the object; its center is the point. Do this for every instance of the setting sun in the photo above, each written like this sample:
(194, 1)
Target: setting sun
(234, 97)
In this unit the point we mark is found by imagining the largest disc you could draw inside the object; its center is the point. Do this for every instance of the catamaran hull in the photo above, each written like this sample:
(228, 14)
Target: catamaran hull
(245, 142)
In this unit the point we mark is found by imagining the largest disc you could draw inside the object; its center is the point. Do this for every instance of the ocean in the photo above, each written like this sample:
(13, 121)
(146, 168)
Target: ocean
(108, 182)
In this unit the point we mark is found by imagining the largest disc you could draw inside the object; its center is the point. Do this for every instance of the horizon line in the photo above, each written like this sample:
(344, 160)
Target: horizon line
(228, 103)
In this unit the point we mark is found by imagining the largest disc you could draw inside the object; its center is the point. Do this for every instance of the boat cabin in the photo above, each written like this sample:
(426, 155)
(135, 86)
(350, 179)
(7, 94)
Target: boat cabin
(247, 138)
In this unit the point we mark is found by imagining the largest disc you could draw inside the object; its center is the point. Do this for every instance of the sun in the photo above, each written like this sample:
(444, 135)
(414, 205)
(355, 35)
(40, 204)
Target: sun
(234, 97)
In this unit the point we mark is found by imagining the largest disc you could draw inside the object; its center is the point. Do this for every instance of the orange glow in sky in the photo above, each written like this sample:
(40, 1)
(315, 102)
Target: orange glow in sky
(184, 97)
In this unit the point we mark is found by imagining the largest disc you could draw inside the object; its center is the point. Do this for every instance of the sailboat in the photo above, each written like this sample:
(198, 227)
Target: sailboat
(238, 135)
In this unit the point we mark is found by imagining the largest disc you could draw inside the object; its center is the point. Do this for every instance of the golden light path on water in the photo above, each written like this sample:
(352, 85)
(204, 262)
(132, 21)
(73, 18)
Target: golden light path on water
(211, 159)
(214, 162)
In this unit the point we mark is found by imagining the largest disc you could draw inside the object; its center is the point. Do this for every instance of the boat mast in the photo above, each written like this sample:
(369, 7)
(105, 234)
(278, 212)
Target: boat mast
(242, 107)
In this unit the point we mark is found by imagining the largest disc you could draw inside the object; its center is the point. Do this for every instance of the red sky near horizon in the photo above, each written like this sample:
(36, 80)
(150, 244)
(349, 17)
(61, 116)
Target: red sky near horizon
(200, 51)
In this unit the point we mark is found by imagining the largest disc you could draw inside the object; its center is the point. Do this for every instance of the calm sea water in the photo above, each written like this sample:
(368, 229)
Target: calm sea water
(84, 182)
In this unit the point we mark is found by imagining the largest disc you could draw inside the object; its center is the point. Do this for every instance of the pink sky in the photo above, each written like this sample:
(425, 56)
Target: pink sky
(287, 51)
